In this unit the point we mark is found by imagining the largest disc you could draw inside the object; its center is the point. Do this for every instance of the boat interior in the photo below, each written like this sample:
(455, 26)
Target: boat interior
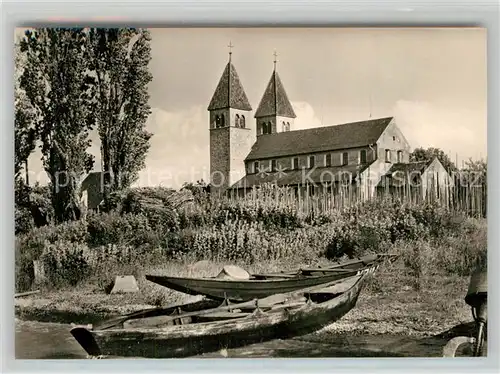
(208, 310)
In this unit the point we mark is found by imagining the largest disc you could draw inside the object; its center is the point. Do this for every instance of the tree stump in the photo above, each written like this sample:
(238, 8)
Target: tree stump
(39, 272)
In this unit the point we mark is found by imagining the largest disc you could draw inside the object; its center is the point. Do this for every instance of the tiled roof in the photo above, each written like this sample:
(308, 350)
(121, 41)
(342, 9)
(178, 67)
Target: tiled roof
(293, 177)
(275, 101)
(408, 167)
(319, 139)
(399, 174)
(229, 92)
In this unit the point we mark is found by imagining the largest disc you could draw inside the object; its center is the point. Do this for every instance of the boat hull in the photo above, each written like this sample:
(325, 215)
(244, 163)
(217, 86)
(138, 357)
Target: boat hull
(243, 290)
(188, 340)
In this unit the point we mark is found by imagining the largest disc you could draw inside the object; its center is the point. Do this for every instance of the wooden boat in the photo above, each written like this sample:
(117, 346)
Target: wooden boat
(262, 285)
(196, 329)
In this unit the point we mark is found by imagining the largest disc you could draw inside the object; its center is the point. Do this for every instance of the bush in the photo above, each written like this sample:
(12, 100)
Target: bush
(161, 224)
(462, 252)
(24, 221)
(25, 272)
(240, 241)
(114, 228)
(65, 263)
(159, 205)
(419, 260)
(374, 225)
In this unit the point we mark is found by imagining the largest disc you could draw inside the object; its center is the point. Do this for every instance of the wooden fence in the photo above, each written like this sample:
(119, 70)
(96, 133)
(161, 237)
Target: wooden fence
(468, 198)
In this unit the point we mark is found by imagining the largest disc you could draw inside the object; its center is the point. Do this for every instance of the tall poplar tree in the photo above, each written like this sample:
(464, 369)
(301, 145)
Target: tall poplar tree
(24, 119)
(120, 59)
(57, 83)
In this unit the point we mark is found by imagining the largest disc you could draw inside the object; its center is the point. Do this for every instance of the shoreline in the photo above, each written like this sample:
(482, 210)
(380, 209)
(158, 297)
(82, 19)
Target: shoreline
(405, 313)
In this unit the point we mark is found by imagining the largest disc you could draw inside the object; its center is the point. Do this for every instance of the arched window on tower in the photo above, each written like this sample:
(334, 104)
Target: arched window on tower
(262, 128)
(217, 121)
(237, 121)
(283, 126)
(242, 122)
(222, 120)
(288, 126)
(269, 127)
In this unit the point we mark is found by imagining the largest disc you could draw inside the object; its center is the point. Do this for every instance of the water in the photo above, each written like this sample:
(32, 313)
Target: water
(36, 340)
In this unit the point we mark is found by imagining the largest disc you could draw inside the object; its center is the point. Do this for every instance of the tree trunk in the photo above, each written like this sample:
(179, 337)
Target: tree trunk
(26, 172)
(106, 168)
(66, 203)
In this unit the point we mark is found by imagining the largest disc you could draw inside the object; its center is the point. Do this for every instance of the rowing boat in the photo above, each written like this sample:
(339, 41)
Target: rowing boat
(263, 285)
(180, 333)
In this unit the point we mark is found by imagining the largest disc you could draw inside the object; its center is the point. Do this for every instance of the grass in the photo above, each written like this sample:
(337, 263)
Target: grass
(389, 304)
(89, 303)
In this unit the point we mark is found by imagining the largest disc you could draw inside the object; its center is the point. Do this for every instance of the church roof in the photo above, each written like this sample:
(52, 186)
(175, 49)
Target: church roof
(296, 177)
(319, 139)
(229, 92)
(400, 173)
(275, 101)
(409, 167)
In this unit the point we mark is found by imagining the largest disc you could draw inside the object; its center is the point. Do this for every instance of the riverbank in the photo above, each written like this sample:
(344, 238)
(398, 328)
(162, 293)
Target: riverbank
(389, 304)
(39, 340)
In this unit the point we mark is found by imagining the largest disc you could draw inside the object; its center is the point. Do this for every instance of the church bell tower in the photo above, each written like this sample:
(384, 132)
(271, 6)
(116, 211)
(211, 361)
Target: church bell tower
(231, 134)
(275, 113)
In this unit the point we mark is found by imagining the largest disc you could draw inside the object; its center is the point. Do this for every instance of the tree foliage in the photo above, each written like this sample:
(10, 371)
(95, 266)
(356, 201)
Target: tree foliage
(475, 171)
(422, 154)
(478, 165)
(56, 81)
(119, 58)
(24, 118)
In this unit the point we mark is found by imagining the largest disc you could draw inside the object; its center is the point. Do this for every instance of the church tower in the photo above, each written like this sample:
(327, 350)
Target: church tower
(275, 112)
(231, 136)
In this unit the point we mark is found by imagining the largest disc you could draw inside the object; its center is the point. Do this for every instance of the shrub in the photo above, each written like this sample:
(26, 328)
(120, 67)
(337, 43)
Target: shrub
(24, 221)
(465, 250)
(158, 224)
(272, 217)
(241, 241)
(373, 225)
(418, 257)
(106, 262)
(25, 272)
(115, 228)
(32, 243)
(159, 205)
(65, 263)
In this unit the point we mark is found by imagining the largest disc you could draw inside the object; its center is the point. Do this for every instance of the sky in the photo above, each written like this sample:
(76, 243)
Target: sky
(433, 81)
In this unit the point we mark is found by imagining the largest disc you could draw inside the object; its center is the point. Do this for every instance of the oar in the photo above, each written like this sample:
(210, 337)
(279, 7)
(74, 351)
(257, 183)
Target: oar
(328, 270)
(26, 293)
(340, 265)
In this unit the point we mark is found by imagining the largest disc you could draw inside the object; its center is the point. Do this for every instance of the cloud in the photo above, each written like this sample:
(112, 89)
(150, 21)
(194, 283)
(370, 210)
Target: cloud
(306, 117)
(427, 125)
(179, 150)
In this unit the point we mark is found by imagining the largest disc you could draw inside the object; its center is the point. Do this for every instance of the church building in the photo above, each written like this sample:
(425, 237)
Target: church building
(246, 152)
